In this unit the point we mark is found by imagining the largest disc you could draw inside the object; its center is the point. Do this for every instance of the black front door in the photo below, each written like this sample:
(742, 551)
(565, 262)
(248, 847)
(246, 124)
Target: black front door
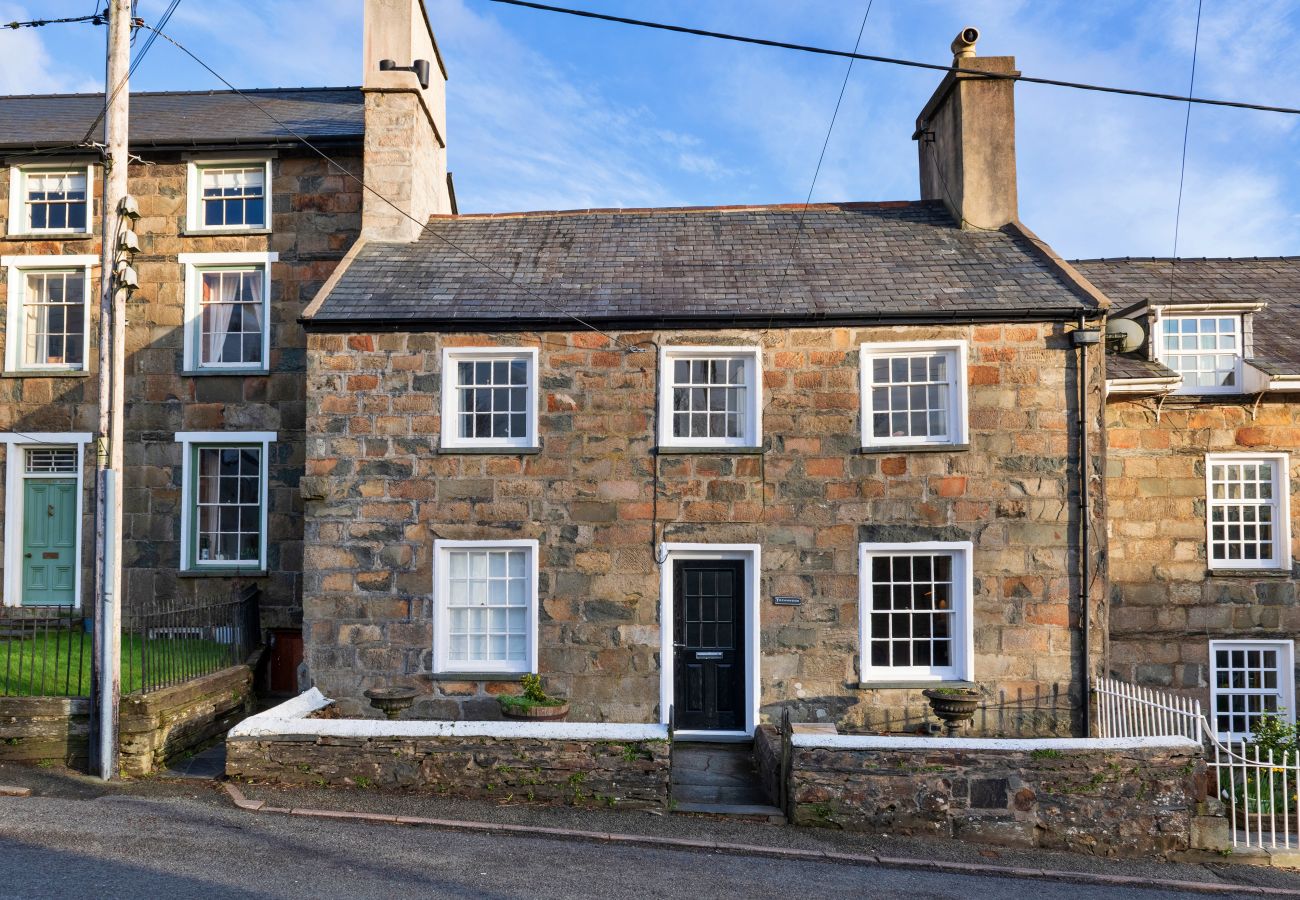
(709, 648)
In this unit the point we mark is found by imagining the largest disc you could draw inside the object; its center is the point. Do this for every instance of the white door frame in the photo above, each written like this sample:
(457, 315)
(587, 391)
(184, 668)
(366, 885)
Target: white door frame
(751, 555)
(16, 446)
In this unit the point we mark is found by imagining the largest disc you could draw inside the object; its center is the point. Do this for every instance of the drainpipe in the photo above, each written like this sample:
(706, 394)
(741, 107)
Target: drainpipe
(1083, 338)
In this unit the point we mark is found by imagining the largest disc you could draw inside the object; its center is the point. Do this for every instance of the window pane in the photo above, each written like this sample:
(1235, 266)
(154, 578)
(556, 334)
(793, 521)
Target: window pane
(53, 319)
(497, 389)
(231, 317)
(1241, 508)
(910, 610)
(487, 592)
(233, 196)
(56, 201)
(1248, 682)
(228, 500)
(909, 396)
(1204, 350)
(709, 398)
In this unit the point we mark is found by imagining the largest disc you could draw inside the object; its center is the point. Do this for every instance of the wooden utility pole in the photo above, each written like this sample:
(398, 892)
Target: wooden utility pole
(112, 372)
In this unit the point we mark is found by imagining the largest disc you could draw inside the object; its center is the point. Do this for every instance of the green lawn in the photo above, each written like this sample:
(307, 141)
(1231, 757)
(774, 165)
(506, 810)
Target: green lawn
(58, 664)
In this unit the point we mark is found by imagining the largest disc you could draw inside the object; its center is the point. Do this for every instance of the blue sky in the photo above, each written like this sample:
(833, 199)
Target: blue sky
(552, 112)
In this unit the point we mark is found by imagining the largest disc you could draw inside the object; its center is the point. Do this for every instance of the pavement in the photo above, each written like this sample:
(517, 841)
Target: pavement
(76, 836)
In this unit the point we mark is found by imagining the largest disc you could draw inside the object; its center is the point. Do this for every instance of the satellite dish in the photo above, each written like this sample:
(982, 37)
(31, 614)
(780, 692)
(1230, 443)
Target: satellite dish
(1125, 334)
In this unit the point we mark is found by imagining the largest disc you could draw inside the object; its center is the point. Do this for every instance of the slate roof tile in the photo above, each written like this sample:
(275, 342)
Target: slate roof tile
(187, 117)
(1271, 280)
(852, 261)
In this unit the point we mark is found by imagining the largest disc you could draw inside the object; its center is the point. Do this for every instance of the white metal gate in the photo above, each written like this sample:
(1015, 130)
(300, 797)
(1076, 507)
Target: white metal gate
(1256, 787)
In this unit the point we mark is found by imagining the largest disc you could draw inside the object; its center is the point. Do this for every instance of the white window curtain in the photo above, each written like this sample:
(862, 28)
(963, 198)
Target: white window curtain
(232, 317)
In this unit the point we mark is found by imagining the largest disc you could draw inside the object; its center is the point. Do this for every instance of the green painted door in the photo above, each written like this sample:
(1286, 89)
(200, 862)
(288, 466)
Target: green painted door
(49, 541)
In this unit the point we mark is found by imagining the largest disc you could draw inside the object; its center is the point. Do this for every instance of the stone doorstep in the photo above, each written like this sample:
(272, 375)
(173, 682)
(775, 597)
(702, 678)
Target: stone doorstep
(786, 853)
(9, 790)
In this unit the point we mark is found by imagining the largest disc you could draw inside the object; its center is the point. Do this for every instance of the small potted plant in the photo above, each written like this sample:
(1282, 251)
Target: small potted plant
(954, 705)
(534, 703)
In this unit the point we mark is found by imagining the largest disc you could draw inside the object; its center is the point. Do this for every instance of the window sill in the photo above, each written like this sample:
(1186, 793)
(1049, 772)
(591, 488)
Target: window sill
(710, 451)
(46, 373)
(233, 373)
(475, 676)
(224, 232)
(51, 236)
(911, 685)
(489, 451)
(222, 572)
(881, 449)
(1248, 573)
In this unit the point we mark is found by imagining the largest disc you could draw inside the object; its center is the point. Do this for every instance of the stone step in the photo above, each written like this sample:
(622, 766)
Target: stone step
(755, 812)
(699, 793)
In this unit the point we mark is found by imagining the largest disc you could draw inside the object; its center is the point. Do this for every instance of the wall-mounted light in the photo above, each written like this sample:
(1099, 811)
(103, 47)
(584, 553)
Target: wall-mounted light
(420, 67)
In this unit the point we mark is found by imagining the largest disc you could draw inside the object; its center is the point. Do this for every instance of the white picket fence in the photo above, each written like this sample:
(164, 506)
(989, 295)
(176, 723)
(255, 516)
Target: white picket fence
(1257, 790)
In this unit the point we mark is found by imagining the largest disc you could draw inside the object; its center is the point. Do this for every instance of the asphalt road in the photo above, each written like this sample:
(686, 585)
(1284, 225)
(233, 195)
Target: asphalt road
(139, 847)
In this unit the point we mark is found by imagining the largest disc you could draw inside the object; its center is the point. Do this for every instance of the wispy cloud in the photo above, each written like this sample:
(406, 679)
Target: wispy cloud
(26, 66)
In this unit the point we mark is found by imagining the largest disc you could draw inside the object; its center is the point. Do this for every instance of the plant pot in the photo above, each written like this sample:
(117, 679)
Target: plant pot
(536, 713)
(955, 708)
(392, 701)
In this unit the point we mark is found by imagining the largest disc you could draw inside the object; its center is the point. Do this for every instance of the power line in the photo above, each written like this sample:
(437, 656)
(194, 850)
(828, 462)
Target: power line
(424, 226)
(1182, 168)
(794, 251)
(97, 19)
(824, 51)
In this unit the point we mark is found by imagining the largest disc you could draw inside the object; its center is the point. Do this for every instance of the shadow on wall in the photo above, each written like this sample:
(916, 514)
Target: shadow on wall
(1042, 712)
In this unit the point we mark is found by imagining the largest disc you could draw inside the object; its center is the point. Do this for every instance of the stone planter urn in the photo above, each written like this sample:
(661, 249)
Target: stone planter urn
(391, 701)
(955, 706)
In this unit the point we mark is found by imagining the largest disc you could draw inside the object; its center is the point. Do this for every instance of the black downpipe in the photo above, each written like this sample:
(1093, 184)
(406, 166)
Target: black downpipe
(1084, 338)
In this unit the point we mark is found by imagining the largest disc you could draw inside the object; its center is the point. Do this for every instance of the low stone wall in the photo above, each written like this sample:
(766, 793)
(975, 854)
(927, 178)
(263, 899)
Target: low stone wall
(1105, 797)
(158, 726)
(155, 728)
(572, 762)
(44, 729)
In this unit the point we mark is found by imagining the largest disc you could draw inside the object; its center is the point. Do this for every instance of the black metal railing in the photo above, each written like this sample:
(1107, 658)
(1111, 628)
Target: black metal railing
(163, 647)
(45, 651)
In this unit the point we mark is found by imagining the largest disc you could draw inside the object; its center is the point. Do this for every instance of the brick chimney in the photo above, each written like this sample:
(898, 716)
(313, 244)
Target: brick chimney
(406, 122)
(966, 138)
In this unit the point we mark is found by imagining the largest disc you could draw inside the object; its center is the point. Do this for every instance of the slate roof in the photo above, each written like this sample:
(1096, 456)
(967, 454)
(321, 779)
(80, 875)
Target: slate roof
(1271, 280)
(854, 261)
(186, 117)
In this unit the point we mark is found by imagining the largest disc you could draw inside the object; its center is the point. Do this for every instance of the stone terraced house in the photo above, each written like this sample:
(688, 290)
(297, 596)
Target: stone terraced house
(709, 464)
(241, 222)
(1202, 470)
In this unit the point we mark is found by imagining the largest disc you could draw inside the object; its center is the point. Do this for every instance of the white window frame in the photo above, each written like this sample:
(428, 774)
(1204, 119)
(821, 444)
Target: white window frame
(442, 663)
(1282, 504)
(958, 420)
(16, 446)
(1162, 355)
(16, 286)
(194, 192)
(963, 631)
(17, 224)
(195, 265)
(753, 359)
(451, 437)
(189, 440)
(1286, 680)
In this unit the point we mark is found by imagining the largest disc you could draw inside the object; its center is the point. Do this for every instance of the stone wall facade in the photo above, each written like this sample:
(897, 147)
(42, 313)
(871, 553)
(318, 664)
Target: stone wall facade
(1134, 802)
(315, 217)
(45, 729)
(1166, 603)
(612, 774)
(601, 501)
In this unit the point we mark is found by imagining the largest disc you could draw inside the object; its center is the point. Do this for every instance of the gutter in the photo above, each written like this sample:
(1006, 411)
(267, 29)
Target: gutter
(1156, 384)
(641, 323)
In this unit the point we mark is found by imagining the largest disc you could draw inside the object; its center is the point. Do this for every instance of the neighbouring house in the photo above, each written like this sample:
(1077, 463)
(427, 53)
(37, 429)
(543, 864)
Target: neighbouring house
(1202, 468)
(714, 464)
(241, 221)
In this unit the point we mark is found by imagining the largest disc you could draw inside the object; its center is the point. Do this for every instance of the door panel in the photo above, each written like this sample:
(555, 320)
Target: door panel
(709, 647)
(50, 512)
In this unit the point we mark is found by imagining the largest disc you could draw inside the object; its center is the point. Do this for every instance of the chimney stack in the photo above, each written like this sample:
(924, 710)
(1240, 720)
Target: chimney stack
(405, 86)
(966, 138)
